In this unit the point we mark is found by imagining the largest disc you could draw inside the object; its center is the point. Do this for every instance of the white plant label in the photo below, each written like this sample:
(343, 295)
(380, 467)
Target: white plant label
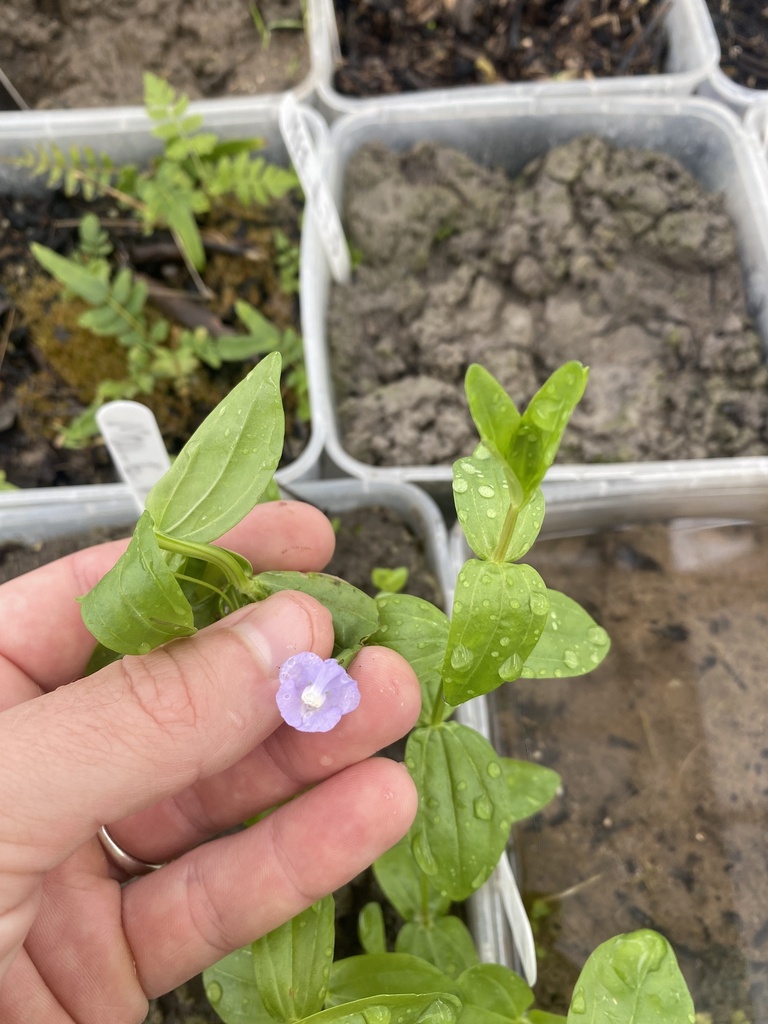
(304, 157)
(134, 441)
(519, 925)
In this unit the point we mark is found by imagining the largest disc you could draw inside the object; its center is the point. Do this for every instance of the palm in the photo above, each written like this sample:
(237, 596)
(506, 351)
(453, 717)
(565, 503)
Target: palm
(94, 949)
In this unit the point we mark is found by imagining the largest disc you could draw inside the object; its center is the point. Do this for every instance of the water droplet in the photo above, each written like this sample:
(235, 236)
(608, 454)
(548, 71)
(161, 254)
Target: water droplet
(432, 802)
(470, 470)
(570, 658)
(214, 992)
(383, 629)
(486, 603)
(558, 673)
(514, 603)
(485, 579)
(494, 769)
(578, 1003)
(227, 432)
(460, 485)
(145, 647)
(478, 880)
(461, 515)
(505, 641)
(376, 1015)
(527, 673)
(511, 668)
(491, 513)
(423, 854)
(486, 492)
(483, 808)
(457, 606)
(482, 453)
(539, 604)
(410, 764)
(302, 924)
(461, 657)
(421, 645)
(597, 636)
(461, 786)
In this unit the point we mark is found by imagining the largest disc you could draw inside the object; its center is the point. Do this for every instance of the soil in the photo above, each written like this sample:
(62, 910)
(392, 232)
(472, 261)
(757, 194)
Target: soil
(616, 257)
(663, 752)
(84, 53)
(50, 366)
(742, 30)
(365, 539)
(393, 47)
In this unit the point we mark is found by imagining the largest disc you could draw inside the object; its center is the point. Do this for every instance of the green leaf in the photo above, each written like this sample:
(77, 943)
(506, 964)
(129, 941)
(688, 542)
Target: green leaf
(482, 499)
(360, 977)
(632, 979)
(409, 1008)
(85, 284)
(571, 644)
(418, 631)
(535, 443)
(139, 604)
(493, 994)
(225, 466)
(370, 928)
(292, 963)
(531, 786)
(543, 1017)
(494, 413)
(462, 824)
(499, 613)
(390, 581)
(447, 943)
(406, 886)
(355, 615)
(231, 989)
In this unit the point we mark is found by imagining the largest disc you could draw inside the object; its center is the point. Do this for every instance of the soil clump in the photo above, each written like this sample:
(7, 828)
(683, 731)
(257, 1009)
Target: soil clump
(616, 257)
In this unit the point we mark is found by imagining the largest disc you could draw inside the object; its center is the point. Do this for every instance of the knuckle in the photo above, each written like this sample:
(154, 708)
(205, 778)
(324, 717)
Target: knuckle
(205, 913)
(161, 691)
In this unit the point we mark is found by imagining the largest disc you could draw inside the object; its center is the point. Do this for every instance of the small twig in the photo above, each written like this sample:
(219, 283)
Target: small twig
(644, 39)
(184, 309)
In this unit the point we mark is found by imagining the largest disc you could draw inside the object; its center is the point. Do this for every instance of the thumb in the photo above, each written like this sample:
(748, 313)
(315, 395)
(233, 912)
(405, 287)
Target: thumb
(144, 728)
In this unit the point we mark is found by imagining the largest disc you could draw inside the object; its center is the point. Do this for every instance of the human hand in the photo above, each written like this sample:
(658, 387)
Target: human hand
(169, 750)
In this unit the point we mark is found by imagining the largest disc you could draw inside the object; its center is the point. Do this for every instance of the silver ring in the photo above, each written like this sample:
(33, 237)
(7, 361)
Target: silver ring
(131, 866)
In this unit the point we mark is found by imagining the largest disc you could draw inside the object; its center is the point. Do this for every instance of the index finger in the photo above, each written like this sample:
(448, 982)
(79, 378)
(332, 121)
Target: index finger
(44, 642)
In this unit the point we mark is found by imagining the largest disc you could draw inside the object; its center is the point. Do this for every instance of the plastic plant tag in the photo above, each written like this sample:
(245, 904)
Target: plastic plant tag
(306, 162)
(519, 925)
(134, 442)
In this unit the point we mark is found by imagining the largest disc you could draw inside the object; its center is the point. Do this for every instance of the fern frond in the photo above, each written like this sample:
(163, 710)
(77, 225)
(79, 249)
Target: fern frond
(250, 180)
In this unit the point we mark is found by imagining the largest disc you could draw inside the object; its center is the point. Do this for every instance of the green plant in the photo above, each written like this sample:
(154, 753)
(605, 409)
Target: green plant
(194, 172)
(506, 624)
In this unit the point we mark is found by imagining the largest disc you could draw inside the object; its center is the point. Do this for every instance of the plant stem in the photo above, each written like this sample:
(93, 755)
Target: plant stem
(506, 534)
(218, 557)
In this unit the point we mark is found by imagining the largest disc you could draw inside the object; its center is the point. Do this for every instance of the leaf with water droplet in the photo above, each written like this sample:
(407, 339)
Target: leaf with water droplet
(446, 942)
(418, 631)
(362, 977)
(396, 1008)
(531, 786)
(574, 647)
(492, 994)
(482, 505)
(633, 978)
(520, 605)
(216, 480)
(406, 886)
(231, 982)
(290, 962)
(139, 604)
(461, 845)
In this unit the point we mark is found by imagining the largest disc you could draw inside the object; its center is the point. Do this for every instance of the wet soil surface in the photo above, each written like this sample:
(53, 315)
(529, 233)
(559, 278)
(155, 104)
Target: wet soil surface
(392, 47)
(84, 53)
(742, 28)
(366, 539)
(50, 366)
(663, 752)
(615, 257)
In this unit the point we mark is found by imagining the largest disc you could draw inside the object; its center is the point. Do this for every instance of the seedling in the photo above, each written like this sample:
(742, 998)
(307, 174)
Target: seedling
(505, 624)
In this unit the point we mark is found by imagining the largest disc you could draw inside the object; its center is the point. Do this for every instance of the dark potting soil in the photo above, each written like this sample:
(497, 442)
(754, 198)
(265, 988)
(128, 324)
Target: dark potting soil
(616, 257)
(84, 53)
(393, 47)
(50, 366)
(365, 539)
(742, 29)
(663, 752)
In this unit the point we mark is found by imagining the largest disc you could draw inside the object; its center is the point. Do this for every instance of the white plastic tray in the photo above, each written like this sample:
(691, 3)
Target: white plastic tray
(706, 138)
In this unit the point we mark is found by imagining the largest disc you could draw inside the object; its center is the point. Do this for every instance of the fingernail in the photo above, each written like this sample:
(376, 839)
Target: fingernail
(277, 628)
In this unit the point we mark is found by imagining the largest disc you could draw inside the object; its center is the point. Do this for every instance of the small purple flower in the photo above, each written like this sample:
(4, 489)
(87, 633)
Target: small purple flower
(314, 694)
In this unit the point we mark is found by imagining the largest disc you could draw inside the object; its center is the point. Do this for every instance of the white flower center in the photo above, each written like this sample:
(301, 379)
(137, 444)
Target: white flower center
(313, 696)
